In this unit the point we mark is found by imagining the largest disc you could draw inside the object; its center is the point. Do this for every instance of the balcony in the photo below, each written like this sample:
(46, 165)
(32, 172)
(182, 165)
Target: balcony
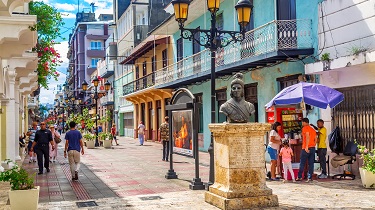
(140, 33)
(107, 100)
(32, 102)
(275, 41)
(106, 70)
(95, 52)
(139, 84)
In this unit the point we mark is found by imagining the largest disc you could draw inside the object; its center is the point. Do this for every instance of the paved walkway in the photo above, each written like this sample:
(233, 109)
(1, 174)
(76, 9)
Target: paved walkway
(132, 177)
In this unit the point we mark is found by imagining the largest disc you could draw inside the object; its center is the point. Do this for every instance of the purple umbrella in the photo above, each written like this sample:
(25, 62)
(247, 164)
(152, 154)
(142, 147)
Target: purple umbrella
(311, 93)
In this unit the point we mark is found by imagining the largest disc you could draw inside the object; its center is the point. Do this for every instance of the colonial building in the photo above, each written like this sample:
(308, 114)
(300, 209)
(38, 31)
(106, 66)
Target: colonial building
(18, 78)
(134, 20)
(280, 37)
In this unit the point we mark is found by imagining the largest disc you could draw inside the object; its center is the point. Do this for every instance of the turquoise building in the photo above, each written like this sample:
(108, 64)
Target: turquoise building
(281, 39)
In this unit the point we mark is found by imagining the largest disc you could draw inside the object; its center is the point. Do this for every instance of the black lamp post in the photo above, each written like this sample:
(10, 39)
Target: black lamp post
(212, 39)
(107, 86)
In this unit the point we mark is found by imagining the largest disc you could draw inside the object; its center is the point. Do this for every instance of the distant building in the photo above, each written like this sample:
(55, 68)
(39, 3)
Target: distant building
(105, 17)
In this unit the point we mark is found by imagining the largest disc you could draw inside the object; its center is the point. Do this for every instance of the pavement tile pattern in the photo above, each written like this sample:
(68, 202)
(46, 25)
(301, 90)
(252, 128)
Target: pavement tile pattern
(132, 177)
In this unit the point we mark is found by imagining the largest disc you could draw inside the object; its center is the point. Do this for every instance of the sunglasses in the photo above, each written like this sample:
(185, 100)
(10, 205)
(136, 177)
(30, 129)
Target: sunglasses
(42, 124)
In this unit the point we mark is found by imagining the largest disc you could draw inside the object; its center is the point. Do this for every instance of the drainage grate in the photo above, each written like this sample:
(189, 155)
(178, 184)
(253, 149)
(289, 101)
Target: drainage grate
(148, 198)
(86, 204)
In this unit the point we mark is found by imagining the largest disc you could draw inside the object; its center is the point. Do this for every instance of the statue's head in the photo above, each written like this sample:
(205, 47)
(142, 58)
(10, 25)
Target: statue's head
(237, 86)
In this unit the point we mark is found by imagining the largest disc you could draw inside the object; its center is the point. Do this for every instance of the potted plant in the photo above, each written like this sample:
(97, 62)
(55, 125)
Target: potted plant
(89, 138)
(106, 137)
(326, 61)
(367, 171)
(23, 193)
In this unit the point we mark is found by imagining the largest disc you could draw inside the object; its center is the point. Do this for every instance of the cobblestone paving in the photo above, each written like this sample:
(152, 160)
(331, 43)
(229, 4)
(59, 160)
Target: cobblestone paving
(120, 177)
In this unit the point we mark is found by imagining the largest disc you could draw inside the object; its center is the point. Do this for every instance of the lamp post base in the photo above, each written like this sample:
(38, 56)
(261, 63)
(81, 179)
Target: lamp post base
(197, 184)
(171, 174)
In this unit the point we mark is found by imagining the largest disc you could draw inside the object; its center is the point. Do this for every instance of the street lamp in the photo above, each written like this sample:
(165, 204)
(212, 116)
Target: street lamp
(212, 39)
(96, 97)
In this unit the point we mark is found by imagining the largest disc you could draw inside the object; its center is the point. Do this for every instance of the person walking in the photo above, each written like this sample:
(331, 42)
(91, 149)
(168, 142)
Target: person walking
(322, 148)
(286, 154)
(43, 138)
(59, 128)
(141, 133)
(164, 136)
(113, 132)
(308, 149)
(32, 131)
(53, 153)
(273, 147)
(73, 147)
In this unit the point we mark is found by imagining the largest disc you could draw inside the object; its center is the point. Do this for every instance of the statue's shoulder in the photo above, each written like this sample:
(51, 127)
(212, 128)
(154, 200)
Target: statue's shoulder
(250, 107)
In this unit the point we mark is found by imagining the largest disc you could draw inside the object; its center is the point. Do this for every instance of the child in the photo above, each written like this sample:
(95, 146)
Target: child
(286, 153)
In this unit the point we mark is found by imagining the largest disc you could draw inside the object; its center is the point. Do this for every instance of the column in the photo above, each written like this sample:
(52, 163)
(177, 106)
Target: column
(2, 139)
(146, 123)
(17, 123)
(135, 119)
(154, 122)
(163, 112)
(10, 117)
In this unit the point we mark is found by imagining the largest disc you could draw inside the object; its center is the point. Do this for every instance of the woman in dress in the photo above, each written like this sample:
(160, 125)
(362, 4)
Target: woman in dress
(53, 153)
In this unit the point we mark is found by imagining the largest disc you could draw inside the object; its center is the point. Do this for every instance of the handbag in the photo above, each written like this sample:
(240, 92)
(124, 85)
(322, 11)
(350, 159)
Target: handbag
(57, 139)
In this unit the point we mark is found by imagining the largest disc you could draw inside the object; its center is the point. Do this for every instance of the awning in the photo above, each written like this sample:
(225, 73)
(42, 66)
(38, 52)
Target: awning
(149, 43)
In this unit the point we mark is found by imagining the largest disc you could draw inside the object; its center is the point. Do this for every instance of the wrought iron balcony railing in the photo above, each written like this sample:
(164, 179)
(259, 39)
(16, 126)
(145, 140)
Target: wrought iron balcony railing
(139, 84)
(271, 37)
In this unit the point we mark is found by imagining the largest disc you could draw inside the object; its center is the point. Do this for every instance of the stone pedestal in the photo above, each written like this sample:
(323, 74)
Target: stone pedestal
(240, 179)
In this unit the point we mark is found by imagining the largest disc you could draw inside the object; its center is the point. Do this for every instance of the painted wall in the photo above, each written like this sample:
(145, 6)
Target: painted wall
(339, 35)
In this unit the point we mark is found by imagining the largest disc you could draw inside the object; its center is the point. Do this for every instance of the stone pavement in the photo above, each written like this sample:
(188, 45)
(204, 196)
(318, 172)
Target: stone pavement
(132, 177)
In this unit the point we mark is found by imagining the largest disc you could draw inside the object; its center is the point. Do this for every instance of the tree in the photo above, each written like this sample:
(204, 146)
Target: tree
(49, 23)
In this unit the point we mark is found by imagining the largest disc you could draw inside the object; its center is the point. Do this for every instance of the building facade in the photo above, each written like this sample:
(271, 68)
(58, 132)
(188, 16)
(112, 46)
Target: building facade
(134, 20)
(86, 49)
(281, 37)
(349, 45)
(18, 78)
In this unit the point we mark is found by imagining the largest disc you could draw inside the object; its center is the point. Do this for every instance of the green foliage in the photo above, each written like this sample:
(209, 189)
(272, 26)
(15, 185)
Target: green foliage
(86, 117)
(105, 135)
(89, 136)
(368, 157)
(325, 57)
(106, 118)
(18, 177)
(49, 23)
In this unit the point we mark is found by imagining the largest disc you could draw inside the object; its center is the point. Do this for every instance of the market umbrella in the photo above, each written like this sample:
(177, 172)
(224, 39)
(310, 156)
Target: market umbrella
(311, 93)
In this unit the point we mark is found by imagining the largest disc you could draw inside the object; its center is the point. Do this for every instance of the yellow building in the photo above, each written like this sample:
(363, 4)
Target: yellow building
(154, 53)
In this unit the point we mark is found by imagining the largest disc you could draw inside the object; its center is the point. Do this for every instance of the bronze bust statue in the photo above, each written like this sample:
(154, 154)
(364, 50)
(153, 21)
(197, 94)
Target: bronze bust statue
(237, 109)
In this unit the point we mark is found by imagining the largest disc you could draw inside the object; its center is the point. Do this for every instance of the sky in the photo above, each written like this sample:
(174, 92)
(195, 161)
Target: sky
(68, 9)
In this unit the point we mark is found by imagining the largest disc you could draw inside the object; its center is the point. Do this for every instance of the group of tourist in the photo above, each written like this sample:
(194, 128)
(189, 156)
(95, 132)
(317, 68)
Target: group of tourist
(42, 144)
(310, 140)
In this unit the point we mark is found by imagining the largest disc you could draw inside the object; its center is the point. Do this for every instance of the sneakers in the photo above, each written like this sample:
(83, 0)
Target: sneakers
(308, 180)
(48, 170)
(322, 176)
(40, 172)
(294, 180)
(299, 179)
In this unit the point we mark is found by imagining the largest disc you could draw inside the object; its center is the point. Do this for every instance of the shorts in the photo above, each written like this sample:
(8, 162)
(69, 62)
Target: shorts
(272, 152)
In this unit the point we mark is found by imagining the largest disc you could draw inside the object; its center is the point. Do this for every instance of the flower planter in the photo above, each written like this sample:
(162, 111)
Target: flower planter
(107, 144)
(24, 199)
(90, 144)
(368, 178)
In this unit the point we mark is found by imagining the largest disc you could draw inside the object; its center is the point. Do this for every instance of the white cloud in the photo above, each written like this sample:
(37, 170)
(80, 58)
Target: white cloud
(48, 96)
(68, 15)
(63, 48)
(65, 7)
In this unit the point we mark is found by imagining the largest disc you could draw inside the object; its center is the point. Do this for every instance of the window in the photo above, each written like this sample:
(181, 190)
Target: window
(165, 58)
(96, 45)
(94, 61)
(153, 61)
(221, 98)
(144, 72)
(180, 49)
(288, 81)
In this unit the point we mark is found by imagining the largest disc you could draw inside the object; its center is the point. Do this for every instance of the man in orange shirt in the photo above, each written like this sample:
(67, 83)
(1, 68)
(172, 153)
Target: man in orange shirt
(308, 149)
